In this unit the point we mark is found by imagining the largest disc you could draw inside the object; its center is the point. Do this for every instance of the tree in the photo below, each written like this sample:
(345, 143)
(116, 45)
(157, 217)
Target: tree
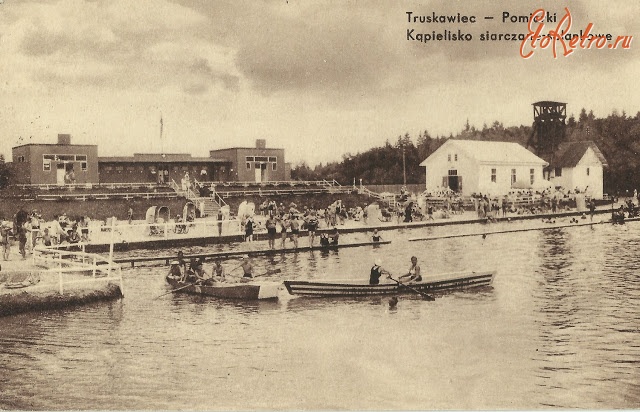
(5, 173)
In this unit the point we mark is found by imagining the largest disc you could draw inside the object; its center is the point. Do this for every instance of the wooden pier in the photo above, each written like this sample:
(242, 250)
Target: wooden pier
(236, 253)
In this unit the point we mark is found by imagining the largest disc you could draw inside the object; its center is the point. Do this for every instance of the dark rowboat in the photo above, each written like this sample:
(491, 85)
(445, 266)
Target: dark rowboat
(443, 282)
(244, 291)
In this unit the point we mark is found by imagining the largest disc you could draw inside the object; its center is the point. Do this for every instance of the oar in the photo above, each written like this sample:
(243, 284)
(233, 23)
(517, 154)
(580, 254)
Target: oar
(424, 295)
(268, 272)
(175, 290)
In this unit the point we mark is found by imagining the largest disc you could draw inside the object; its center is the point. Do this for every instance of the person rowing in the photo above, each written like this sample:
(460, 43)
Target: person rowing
(376, 272)
(247, 268)
(218, 271)
(414, 272)
(174, 270)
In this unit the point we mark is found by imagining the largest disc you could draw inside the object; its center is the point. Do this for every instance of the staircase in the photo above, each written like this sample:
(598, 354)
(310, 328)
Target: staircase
(391, 201)
(208, 206)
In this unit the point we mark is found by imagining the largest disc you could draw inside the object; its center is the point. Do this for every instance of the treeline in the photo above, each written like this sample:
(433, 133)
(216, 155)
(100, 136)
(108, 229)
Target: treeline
(617, 136)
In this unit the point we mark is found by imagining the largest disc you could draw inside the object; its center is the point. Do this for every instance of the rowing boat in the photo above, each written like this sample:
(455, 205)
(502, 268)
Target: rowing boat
(246, 291)
(443, 282)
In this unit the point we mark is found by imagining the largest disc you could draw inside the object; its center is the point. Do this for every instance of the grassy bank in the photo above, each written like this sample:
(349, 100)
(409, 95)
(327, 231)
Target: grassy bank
(95, 209)
(11, 304)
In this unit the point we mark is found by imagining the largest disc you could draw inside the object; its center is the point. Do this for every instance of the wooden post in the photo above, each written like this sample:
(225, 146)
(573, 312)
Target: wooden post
(60, 274)
(113, 230)
(121, 282)
(94, 266)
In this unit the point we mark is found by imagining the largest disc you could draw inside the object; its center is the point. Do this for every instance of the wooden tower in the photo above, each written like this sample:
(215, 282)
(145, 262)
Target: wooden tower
(549, 128)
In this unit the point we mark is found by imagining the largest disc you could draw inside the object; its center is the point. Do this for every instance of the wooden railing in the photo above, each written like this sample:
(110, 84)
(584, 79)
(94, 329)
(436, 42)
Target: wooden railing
(60, 262)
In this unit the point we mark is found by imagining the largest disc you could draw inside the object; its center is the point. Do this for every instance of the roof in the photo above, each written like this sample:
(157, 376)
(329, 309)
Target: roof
(570, 153)
(547, 103)
(245, 148)
(55, 144)
(160, 158)
(493, 152)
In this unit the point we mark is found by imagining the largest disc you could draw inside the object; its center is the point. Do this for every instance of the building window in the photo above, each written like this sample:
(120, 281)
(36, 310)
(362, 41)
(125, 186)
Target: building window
(558, 172)
(249, 158)
(587, 171)
(81, 158)
(274, 166)
(455, 157)
(513, 176)
(46, 165)
(449, 157)
(493, 175)
(273, 159)
(453, 172)
(20, 159)
(248, 165)
(262, 159)
(532, 176)
(83, 166)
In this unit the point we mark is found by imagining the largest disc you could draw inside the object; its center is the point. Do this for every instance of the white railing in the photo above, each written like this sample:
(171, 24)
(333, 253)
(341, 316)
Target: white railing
(60, 262)
(130, 195)
(148, 185)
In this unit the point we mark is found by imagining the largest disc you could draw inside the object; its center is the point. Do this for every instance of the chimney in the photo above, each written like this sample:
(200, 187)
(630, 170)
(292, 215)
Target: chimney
(261, 144)
(64, 139)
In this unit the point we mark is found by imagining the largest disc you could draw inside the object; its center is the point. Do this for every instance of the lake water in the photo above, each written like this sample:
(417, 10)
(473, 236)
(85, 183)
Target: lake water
(560, 328)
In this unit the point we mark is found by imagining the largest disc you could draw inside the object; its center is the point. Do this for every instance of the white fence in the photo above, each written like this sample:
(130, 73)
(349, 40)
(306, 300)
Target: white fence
(62, 263)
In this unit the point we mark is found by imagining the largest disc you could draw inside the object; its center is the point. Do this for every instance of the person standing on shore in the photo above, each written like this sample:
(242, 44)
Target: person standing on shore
(295, 230)
(130, 214)
(4, 240)
(220, 217)
(284, 226)
(248, 230)
(22, 240)
(312, 226)
(271, 231)
(592, 209)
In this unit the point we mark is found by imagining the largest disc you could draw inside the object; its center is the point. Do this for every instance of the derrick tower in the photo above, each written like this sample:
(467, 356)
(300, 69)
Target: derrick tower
(549, 128)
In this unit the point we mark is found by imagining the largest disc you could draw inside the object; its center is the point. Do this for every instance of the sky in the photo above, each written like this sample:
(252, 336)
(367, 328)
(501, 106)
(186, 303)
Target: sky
(318, 78)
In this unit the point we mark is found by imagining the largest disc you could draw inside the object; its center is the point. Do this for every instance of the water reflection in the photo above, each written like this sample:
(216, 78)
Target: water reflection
(558, 329)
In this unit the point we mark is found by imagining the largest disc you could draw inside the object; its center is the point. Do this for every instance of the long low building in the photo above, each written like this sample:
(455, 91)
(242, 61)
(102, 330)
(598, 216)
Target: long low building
(496, 168)
(66, 163)
(488, 167)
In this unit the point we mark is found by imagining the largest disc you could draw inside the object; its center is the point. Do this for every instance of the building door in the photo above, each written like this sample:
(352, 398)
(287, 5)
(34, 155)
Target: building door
(263, 172)
(452, 181)
(258, 170)
(60, 172)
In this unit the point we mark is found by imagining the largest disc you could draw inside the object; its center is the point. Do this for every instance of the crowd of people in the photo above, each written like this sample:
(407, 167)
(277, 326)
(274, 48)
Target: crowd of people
(29, 229)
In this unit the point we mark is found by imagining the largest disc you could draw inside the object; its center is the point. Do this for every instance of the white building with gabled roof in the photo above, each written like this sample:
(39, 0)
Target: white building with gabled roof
(487, 167)
(578, 166)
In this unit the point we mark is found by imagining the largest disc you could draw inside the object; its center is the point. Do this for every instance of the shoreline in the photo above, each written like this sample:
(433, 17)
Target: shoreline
(174, 240)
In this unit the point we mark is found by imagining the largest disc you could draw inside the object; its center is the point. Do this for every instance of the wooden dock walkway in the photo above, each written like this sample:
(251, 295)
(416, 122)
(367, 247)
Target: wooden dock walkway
(498, 232)
(235, 253)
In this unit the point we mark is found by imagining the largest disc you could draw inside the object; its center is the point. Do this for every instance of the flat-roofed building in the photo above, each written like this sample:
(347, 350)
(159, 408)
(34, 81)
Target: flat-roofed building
(255, 164)
(61, 163)
(162, 168)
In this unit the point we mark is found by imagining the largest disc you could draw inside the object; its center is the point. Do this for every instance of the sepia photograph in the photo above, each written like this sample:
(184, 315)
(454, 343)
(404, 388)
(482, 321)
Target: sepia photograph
(319, 205)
